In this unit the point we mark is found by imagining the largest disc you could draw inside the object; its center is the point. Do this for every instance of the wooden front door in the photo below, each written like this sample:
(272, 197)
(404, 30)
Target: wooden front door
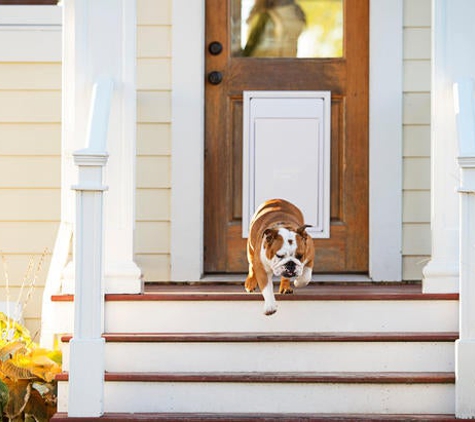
(230, 71)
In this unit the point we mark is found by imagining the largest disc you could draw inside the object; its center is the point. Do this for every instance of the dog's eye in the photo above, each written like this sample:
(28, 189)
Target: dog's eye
(279, 256)
(299, 256)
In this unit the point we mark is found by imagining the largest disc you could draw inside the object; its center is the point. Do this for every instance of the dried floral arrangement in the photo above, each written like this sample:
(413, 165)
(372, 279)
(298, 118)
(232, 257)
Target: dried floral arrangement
(27, 372)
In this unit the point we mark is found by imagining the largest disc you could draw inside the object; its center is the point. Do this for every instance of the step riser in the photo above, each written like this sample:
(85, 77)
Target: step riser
(292, 316)
(293, 357)
(277, 398)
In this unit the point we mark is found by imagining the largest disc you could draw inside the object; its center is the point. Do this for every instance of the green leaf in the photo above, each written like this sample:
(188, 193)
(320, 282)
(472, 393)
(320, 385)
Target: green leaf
(3, 395)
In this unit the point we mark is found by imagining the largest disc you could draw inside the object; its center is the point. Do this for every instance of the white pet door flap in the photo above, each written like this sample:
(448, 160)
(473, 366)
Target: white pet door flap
(286, 154)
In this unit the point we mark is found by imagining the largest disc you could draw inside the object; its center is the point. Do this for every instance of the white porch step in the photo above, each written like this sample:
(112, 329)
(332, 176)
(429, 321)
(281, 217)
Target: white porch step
(175, 309)
(289, 352)
(384, 393)
(344, 350)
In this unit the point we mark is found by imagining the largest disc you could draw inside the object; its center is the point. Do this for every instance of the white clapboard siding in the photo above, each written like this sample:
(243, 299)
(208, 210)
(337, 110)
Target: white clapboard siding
(417, 13)
(153, 107)
(152, 240)
(30, 148)
(153, 41)
(154, 12)
(416, 135)
(153, 139)
(30, 139)
(30, 172)
(26, 106)
(30, 204)
(153, 172)
(152, 237)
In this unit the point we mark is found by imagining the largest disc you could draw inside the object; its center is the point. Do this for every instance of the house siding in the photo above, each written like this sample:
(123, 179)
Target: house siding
(416, 245)
(152, 235)
(30, 149)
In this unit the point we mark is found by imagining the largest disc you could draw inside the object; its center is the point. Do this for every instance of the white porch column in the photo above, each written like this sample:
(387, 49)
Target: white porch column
(453, 57)
(465, 346)
(100, 41)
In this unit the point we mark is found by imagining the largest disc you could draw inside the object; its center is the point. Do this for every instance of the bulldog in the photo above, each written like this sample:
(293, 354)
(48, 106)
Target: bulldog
(279, 245)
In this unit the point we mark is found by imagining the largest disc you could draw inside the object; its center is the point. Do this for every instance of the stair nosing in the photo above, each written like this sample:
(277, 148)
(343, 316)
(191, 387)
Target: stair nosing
(249, 337)
(281, 377)
(246, 297)
(262, 417)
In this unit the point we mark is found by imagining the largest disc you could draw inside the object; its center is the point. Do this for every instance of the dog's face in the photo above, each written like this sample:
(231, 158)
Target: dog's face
(284, 251)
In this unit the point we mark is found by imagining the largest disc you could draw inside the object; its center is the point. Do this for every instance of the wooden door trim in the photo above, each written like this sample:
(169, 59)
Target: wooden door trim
(186, 255)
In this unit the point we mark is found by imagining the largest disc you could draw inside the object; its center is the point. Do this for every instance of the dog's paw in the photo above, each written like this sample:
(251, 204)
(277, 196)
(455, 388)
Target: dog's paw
(300, 283)
(250, 285)
(286, 290)
(285, 287)
(270, 309)
(304, 279)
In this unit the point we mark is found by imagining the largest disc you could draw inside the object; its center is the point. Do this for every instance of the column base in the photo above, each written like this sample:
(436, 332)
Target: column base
(465, 379)
(86, 378)
(440, 277)
(123, 277)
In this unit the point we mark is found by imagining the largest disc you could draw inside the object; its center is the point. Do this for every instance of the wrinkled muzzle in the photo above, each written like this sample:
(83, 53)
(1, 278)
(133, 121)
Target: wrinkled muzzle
(288, 268)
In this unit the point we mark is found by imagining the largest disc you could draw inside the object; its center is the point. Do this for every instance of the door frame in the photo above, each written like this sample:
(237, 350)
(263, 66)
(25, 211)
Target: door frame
(385, 140)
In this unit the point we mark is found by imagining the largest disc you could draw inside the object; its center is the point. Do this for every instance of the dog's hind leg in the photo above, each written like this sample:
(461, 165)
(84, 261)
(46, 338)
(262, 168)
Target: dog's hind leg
(251, 281)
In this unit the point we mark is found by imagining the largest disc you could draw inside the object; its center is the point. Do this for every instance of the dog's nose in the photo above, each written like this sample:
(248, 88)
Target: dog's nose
(290, 266)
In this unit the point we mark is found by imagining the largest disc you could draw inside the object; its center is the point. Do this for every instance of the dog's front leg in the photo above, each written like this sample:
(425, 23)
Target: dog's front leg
(270, 305)
(305, 278)
(285, 286)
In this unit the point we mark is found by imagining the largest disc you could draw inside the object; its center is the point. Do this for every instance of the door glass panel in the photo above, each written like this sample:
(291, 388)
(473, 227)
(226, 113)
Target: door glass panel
(287, 28)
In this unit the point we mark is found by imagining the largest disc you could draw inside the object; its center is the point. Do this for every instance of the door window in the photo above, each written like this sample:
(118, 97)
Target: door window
(287, 28)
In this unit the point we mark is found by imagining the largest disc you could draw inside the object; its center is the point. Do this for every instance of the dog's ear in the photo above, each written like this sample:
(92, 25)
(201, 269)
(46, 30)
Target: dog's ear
(301, 230)
(270, 235)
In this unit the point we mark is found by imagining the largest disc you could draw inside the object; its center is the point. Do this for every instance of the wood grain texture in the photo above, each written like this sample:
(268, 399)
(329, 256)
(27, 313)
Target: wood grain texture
(262, 417)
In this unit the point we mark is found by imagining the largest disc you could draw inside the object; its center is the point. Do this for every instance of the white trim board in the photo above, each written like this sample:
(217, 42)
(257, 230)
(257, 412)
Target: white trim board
(385, 139)
(30, 33)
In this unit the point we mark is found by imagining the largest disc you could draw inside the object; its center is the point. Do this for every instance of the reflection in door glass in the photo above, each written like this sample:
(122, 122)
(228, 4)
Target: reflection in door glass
(287, 28)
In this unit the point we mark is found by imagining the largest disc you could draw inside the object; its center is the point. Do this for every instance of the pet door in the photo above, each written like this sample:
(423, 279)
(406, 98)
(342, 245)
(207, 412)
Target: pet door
(286, 154)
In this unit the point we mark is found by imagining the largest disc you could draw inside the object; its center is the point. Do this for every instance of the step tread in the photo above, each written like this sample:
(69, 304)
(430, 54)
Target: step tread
(262, 417)
(242, 337)
(315, 291)
(282, 377)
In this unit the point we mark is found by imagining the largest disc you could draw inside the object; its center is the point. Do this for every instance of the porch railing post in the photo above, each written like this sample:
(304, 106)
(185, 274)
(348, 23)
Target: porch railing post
(86, 373)
(465, 345)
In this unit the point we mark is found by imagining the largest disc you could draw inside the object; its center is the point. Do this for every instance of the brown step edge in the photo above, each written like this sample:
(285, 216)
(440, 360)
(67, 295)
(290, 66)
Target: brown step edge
(236, 292)
(275, 337)
(261, 417)
(281, 377)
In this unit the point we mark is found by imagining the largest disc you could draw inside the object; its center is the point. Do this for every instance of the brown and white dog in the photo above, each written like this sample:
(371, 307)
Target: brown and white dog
(278, 244)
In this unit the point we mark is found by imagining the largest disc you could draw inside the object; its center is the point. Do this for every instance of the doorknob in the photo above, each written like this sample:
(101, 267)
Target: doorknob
(215, 77)
(215, 48)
